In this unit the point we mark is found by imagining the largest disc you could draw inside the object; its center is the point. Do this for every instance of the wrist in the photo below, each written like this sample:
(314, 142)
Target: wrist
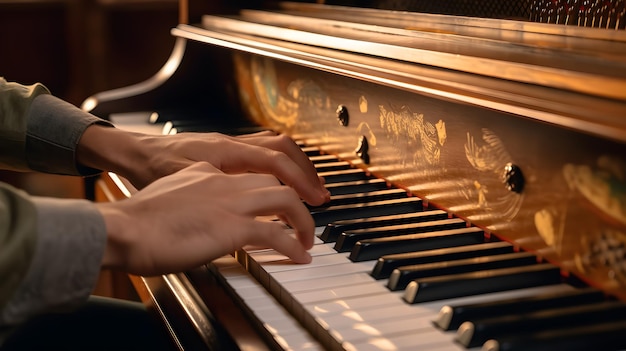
(109, 149)
(117, 224)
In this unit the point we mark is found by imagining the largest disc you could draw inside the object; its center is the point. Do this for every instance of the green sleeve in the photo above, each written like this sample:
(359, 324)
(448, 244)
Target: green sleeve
(15, 103)
(40, 132)
(18, 236)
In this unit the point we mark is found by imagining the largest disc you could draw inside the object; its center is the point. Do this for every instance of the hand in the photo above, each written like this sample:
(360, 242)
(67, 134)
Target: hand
(198, 214)
(144, 158)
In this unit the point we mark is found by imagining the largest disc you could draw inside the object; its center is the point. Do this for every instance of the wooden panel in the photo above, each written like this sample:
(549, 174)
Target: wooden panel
(79, 47)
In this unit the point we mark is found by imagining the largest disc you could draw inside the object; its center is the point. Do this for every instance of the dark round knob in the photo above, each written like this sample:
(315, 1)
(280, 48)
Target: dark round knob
(513, 178)
(342, 115)
(362, 149)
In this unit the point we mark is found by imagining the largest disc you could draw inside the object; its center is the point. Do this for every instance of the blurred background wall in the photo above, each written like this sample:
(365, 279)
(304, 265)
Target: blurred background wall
(77, 48)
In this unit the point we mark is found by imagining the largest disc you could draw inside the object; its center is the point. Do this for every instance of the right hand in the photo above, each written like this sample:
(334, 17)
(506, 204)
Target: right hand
(193, 216)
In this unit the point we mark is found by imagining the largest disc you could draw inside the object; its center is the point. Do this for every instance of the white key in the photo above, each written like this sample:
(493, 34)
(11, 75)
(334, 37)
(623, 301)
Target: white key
(338, 302)
(406, 342)
(328, 320)
(326, 282)
(361, 331)
(350, 317)
(307, 297)
(285, 330)
(318, 261)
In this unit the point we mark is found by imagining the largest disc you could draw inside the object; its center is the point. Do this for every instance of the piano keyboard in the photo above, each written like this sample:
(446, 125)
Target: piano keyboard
(389, 273)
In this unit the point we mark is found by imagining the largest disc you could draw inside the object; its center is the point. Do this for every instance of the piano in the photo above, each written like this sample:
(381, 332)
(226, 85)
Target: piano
(476, 156)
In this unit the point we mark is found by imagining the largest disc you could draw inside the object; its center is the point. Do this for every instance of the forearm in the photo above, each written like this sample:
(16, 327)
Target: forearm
(140, 158)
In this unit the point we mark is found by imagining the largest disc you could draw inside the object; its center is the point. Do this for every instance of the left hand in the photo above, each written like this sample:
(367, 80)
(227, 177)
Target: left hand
(143, 158)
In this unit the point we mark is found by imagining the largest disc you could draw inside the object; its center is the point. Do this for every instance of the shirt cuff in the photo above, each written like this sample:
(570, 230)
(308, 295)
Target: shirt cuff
(67, 260)
(52, 135)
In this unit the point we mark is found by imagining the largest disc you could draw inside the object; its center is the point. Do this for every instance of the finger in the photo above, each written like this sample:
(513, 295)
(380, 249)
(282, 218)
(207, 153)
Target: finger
(265, 160)
(274, 235)
(286, 145)
(322, 180)
(249, 181)
(283, 202)
(256, 134)
(227, 183)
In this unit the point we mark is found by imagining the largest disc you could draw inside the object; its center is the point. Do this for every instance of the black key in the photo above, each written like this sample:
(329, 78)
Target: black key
(602, 336)
(319, 159)
(192, 129)
(350, 199)
(379, 208)
(386, 264)
(483, 282)
(200, 126)
(473, 334)
(402, 276)
(356, 186)
(451, 317)
(169, 125)
(165, 116)
(332, 166)
(311, 150)
(242, 130)
(344, 175)
(347, 240)
(371, 249)
(334, 229)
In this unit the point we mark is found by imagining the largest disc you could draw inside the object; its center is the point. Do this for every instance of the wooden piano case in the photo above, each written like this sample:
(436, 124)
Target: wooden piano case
(513, 126)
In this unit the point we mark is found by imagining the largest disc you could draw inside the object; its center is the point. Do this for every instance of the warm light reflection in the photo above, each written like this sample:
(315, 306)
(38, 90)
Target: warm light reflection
(380, 344)
(281, 341)
(348, 346)
(89, 104)
(271, 329)
(343, 304)
(353, 315)
(320, 310)
(463, 208)
(383, 344)
(367, 329)
(169, 68)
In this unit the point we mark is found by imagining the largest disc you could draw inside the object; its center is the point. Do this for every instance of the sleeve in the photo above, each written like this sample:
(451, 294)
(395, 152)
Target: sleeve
(50, 249)
(17, 239)
(39, 131)
(53, 262)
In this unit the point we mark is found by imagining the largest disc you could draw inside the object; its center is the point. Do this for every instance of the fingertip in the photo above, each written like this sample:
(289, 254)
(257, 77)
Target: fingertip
(309, 244)
(325, 194)
(324, 197)
(315, 197)
(306, 258)
(322, 180)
